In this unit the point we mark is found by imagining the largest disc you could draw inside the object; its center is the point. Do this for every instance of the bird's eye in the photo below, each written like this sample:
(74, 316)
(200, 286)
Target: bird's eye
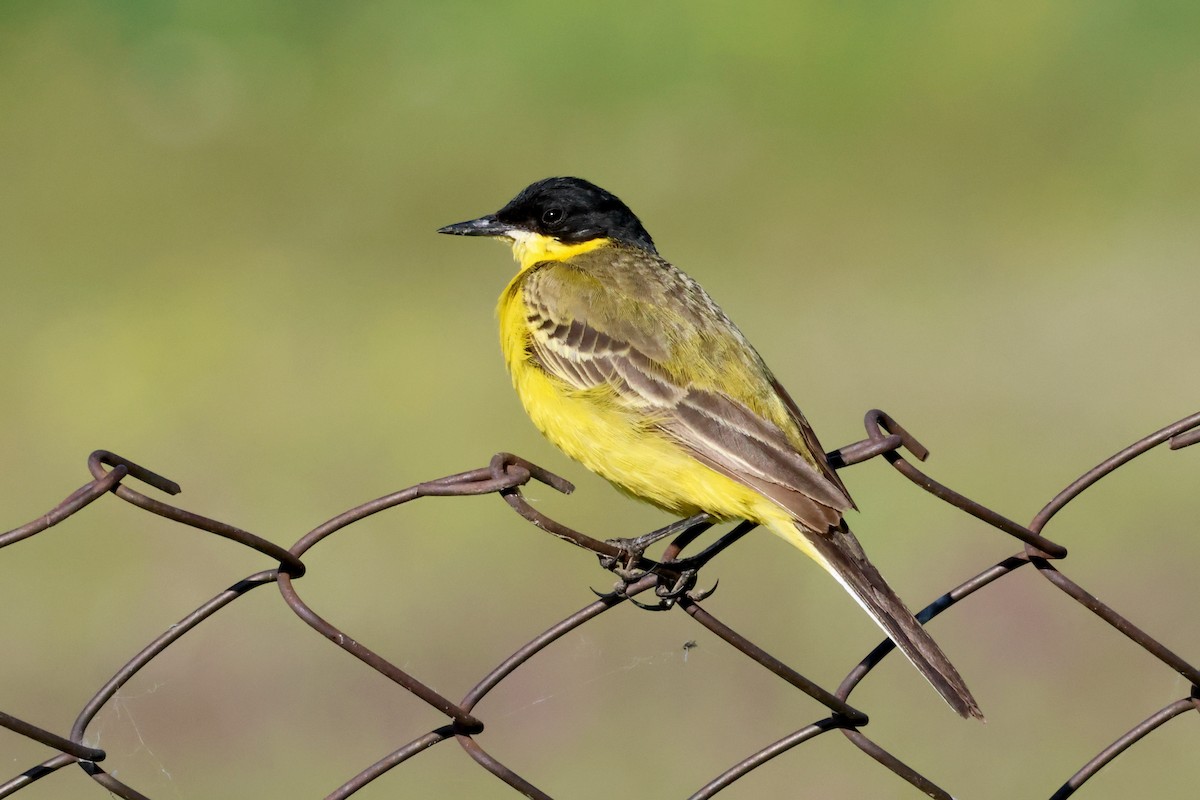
(552, 217)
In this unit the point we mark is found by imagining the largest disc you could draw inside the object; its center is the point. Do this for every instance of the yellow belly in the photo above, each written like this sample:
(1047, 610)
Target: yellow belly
(620, 445)
(626, 451)
(625, 447)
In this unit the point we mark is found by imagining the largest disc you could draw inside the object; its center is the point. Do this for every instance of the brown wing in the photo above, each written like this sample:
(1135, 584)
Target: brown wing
(810, 437)
(663, 348)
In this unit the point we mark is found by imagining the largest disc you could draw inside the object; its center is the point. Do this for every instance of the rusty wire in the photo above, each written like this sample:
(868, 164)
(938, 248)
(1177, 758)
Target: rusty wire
(672, 580)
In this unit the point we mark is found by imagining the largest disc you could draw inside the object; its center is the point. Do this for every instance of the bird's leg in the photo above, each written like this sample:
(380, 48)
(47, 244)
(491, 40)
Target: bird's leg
(632, 549)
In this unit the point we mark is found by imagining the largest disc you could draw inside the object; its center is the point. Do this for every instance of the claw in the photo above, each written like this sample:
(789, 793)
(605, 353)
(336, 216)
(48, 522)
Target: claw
(703, 594)
(606, 595)
(662, 605)
(620, 589)
(668, 596)
(683, 584)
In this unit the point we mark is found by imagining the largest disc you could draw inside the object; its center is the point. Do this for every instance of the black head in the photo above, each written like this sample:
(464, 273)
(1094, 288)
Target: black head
(570, 210)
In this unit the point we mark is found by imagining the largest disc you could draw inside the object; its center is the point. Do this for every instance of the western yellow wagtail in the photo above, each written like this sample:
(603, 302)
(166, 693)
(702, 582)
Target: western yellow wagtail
(625, 363)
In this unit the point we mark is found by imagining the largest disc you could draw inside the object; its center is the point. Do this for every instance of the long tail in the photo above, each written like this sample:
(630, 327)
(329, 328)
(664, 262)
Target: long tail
(842, 556)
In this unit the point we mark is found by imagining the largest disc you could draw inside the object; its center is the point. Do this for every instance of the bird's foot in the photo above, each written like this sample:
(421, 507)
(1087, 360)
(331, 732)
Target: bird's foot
(682, 587)
(625, 563)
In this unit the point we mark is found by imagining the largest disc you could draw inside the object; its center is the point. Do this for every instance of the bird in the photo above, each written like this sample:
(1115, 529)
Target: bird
(626, 364)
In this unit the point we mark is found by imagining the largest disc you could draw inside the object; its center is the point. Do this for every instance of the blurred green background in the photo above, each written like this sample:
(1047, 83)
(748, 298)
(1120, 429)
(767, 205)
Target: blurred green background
(217, 240)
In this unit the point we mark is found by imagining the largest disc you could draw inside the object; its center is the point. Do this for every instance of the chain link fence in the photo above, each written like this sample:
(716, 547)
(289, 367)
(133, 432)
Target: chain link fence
(671, 581)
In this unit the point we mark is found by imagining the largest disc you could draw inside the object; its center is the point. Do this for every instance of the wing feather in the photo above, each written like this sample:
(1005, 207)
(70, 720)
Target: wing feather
(589, 334)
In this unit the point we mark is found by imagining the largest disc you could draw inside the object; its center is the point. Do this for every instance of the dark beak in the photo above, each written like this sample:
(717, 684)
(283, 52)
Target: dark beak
(484, 226)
